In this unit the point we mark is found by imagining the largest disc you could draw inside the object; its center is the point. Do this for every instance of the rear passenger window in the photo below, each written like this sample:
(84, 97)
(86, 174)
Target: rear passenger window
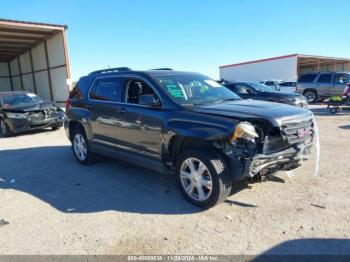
(76, 92)
(307, 78)
(107, 89)
(324, 78)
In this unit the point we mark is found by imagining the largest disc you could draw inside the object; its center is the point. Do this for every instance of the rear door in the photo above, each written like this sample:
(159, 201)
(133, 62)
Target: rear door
(104, 105)
(324, 85)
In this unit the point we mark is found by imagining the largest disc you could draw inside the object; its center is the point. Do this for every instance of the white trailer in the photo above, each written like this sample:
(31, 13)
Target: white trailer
(34, 57)
(285, 68)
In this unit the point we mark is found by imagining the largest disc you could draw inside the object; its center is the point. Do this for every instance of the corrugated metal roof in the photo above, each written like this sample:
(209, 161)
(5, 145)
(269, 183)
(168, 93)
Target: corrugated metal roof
(17, 37)
(32, 23)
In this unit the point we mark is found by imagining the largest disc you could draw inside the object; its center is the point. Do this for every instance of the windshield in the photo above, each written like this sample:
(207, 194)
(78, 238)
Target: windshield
(262, 87)
(20, 100)
(194, 89)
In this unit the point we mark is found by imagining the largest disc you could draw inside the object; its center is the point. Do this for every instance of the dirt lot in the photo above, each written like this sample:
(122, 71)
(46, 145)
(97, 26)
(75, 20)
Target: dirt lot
(56, 206)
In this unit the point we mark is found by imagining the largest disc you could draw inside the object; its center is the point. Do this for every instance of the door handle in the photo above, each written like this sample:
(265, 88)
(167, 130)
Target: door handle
(88, 106)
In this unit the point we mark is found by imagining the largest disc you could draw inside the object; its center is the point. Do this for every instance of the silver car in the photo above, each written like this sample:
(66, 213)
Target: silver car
(321, 85)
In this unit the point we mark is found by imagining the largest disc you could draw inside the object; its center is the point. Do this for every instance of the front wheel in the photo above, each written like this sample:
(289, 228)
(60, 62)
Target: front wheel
(311, 95)
(203, 178)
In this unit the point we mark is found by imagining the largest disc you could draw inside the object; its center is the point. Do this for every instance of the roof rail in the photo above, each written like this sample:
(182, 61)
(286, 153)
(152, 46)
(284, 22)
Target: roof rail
(111, 70)
(164, 68)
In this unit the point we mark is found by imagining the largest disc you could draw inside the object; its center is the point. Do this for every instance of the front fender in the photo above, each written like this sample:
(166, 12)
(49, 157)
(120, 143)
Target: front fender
(200, 129)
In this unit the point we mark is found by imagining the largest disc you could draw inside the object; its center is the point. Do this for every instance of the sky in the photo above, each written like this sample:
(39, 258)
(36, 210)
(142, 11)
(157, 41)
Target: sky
(189, 35)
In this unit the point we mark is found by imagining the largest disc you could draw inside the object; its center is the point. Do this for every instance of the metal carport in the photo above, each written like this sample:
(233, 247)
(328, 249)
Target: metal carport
(34, 57)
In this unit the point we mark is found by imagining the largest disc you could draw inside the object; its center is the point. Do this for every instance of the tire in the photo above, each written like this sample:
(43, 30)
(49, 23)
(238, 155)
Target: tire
(209, 187)
(80, 146)
(333, 110)
(311, 95)
(4, 130)
(56, 127)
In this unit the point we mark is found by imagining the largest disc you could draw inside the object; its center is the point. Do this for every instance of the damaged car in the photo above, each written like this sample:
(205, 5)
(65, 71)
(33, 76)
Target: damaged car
(187, 124)
(22, 111)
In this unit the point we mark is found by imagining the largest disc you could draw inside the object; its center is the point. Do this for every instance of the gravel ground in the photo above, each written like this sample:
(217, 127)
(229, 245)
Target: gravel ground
(53, 205)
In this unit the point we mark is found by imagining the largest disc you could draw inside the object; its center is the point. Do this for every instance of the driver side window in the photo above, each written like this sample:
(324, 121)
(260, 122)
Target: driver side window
(136, 88)
(242, 89)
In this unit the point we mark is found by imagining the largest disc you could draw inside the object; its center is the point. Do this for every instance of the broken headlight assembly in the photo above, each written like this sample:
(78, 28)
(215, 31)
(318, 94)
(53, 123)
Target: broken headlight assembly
(16, 115)
(245, 131)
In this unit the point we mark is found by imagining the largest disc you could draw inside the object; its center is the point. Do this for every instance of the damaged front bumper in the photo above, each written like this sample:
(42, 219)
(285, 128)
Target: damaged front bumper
(263, 164)
(19, 125)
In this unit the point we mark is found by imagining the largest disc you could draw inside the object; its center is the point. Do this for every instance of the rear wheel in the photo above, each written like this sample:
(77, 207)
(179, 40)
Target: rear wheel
(5, 131)
(311, 95)
(81, 149)
(203, 178)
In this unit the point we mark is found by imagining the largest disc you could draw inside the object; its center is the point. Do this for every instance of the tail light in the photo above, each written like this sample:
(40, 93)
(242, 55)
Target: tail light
(347, 90)
(68, 103)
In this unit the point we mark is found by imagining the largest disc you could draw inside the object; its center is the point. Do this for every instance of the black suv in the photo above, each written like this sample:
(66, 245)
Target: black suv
(185, 123)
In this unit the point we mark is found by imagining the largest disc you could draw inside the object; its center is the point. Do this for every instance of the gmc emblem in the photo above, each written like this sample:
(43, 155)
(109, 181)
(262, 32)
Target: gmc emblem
(304, 132)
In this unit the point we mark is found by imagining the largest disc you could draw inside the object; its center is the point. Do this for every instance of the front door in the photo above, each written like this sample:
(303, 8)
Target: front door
(141, 126)
(339, 83)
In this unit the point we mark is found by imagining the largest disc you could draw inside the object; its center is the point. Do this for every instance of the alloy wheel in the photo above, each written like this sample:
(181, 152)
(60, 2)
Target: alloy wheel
(196, 179)
(80, 147)
(310, 96)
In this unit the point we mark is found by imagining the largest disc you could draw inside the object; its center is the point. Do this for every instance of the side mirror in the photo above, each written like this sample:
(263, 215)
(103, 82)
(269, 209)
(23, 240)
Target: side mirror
(278, 88)
(149, 100)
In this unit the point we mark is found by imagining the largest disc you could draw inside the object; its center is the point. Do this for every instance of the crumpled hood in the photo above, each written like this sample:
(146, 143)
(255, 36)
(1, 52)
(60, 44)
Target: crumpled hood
(245, 109)
(32, 108)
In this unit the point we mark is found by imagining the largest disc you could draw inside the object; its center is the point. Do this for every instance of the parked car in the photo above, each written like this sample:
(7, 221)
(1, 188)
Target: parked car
(288, 86)
(24, 111)
(257, 91)
(272, 83)
(186, 123)
(321, 85)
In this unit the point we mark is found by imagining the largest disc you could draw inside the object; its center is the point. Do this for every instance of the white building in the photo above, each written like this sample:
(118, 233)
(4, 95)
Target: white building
(287, 68)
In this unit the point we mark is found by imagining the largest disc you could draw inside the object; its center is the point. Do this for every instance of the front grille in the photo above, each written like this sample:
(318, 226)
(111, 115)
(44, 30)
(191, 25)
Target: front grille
(298, 130)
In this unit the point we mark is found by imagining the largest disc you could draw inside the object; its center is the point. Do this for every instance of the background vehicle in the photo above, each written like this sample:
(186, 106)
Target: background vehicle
(289, 86)
(24, 111)
(321, 85)
(186, 123)
(257, 91)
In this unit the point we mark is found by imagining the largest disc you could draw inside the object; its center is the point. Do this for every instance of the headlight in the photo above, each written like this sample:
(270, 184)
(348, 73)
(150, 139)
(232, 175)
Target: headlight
(246, 131)
(16, 115)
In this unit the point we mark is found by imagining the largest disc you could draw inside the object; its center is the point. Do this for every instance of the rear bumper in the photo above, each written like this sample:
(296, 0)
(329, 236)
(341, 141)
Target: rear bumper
(19, 125)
